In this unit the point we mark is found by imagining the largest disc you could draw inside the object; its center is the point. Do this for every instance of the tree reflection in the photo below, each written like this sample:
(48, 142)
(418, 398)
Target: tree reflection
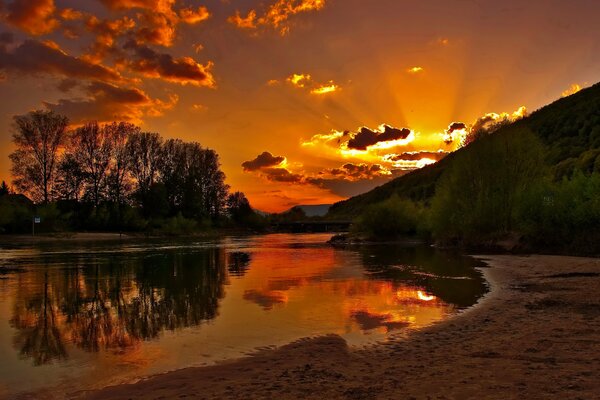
(114, 302)
(36, 319)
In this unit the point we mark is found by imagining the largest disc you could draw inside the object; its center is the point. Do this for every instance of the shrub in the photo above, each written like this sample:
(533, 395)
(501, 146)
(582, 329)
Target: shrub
(390, 218)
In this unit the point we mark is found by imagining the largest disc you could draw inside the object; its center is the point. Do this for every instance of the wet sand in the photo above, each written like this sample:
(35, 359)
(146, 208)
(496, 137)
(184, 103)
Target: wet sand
(536, 335)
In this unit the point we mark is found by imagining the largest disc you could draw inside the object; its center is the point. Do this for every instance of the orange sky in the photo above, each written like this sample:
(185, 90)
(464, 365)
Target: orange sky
(285, 87)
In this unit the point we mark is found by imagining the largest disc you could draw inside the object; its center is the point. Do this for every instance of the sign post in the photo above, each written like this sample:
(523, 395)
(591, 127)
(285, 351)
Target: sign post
(36, 220)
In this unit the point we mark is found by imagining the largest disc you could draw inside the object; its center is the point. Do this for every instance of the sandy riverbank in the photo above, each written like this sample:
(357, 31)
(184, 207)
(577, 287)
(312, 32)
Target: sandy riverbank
(535, 335)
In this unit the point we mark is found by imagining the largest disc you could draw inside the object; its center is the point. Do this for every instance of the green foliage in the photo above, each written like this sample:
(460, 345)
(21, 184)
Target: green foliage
(389, 219)
(178, 225)
(116, 177)
(563, 215)
(478, 195)
(569, 129)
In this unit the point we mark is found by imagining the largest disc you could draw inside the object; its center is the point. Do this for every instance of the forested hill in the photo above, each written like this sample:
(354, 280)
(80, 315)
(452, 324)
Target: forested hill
(569, 128)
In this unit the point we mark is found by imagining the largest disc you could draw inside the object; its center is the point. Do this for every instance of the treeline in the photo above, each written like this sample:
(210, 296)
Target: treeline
(116, 177)
(499, 192)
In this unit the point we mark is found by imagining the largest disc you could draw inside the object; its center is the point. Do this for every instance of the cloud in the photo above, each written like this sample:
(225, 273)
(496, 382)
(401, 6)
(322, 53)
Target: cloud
(366, 137)
(163, 66)
(456, 132)
(158, 20)
(417, 155)
(325, 89)
(192, 17)
(414, 70)
(275, 16)
(415, 159)
(105, 102)
(33, 58)
(36, 17)
(574, 88)
(263, 160)
(461, 133)
(106, 33)
(353, 172)
(299, 80)
(281, 175)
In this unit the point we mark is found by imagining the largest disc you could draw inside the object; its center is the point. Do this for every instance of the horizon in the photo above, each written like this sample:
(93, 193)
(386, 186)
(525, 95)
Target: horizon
(274, 94)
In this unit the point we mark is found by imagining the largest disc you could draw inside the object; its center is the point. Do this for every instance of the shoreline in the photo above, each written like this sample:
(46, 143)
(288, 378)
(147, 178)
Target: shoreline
(531, 336)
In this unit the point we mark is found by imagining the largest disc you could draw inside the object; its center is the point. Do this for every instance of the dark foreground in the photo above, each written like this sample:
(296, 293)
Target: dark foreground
(536, 335)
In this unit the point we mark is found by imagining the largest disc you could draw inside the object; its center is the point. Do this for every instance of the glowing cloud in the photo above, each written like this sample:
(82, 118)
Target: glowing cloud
(33, 58)
(414, 70)
(325, 89)
(163, 66)
(299, 80)
(35, 17)
(574, 88)
(276, 16)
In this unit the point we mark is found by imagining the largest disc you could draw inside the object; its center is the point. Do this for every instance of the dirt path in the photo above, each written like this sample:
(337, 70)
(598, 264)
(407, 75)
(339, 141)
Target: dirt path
(535, 336)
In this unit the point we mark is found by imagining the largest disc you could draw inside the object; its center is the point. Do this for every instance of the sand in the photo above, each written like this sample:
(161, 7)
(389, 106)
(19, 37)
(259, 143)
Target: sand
(536, 335)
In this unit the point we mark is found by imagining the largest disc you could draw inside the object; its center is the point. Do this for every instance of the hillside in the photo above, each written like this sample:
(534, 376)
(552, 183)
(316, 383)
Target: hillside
(569, 128)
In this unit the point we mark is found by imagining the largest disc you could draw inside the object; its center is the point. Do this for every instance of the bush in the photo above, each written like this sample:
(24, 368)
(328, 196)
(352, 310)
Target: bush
(477, 197)
(390, 218)
(564, 216)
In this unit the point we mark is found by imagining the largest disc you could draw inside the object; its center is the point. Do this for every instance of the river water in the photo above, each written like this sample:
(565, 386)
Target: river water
(75, 317)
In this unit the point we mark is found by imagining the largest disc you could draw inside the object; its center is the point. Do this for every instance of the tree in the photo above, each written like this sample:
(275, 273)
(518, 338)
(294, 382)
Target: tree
(144, 151)
(118, 182)
(70, 178)
(238, 207)
(39, 137)
(93, 150)
(478, 195)
(4, 189)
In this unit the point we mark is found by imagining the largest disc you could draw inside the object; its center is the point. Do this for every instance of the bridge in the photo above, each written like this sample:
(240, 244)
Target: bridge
(312, 226)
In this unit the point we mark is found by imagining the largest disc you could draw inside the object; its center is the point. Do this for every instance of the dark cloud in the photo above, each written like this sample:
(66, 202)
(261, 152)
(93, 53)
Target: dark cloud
(35, 17)
(417, 155)
(263, 160)
(281, 175)
(106, 102)
(350, 171)
(33, 57)
(153, 64)
(450, 135)
(67, 84)
(345, 187)
(367, 137)
(6, 38)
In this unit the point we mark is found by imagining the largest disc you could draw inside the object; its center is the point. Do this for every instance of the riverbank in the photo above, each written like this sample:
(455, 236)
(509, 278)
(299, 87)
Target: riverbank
(114, 236)
(535, 335)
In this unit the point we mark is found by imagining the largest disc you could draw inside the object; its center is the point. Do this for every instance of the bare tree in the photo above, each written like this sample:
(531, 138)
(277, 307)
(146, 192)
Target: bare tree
(119, 170)
(144, 149)
(39, 136)
(93, 151)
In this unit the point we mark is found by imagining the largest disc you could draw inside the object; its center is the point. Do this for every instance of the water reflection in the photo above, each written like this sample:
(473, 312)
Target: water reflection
(113, 303)
(85, 316)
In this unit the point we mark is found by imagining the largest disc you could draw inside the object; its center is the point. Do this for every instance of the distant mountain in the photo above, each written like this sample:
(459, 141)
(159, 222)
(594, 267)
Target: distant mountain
(318, 210)
(569, 128)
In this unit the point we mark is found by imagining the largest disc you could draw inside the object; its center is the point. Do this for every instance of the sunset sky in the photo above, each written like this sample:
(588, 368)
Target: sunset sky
(306, 101)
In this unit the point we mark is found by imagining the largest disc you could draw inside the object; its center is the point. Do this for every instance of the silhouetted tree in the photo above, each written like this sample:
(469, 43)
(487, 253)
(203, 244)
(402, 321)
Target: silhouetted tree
(4, 189)
(238, 207)
(118, 179)
(93, 150)
(144, 150)
(69, 182)
(38, 136)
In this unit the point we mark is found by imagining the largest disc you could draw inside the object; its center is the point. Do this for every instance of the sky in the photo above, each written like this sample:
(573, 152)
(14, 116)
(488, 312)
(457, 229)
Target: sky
(305, 101)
